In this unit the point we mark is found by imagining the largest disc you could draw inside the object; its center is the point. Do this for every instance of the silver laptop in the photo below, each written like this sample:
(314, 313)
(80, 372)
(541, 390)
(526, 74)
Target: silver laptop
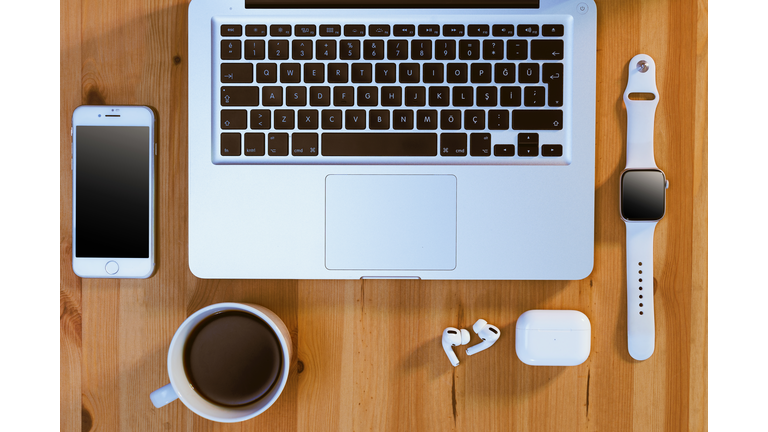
(328, 141)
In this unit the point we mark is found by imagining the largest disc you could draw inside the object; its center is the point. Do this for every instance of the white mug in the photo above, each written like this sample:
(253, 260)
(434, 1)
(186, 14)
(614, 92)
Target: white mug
(180, 387)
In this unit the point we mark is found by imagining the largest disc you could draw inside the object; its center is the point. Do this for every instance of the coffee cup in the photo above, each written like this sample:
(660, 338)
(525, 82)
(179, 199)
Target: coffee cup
(227, 362)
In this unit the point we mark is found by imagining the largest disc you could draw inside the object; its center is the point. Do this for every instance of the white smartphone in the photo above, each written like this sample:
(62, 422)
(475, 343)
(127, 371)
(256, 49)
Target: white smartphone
(113, 191)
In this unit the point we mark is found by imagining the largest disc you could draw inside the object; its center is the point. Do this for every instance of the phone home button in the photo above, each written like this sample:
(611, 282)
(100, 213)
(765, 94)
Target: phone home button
(112, 267)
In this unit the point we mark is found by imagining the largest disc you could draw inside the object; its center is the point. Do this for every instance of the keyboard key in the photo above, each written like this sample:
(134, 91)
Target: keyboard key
(234, 119)
(284, 119)
(474, 119)
(326, 49)
(402, 119)
(385, 72)
(314, 72)
(503, 30)
(391, 96)
(457, 73)
(254, 49)
(433, 73)
(469, 49)
(480, 144)
(230, 144)
(549, 150)
(343, 96)
(290, 72)
(362, 73)
(304, 30)
(534, 96)
(379, 144)
(415, 96)
(254, 144)
(331, 119)
(230, 49)
(493, 49)
(410, 73)
(307, 119)
(354, 119)
(552, 74)
(378, 119)
(373, 49)
(517, 49)
(528, 73)
(463, 96)
(266, 72)
(528, 150)
(277, 49)
(426, 119)
(404, 30)
(378, 30)
(537, 119)
(354, 30)
(338, 72)
(453, 144)
(498, 119)
(453, 30)
(421, 49)
(231, 30)
(527, 30)
(547, 49)
(450, 119)
(256, 30)
(272, 96)
(239, 96)
(295, 96)
(504, 150)
(505, 73)
(479, 30)
(397, 49)
(480, 73)
(261, 119)
(330, 30)
(429, 30)
(304, 144)
(438, 96)
(528, 138)
(319, 96)
(368, 96)
(349, 49)
(552, 30)
(302, 49)
(237, 72)
(280, 30)
(445, 49)
(511, 97)
(277, 144)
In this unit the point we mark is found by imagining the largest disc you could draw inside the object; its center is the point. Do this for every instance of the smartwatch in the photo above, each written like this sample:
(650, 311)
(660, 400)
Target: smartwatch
(642, 201)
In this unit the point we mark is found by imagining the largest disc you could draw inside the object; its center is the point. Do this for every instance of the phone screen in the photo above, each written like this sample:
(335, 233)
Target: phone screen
(112, 211)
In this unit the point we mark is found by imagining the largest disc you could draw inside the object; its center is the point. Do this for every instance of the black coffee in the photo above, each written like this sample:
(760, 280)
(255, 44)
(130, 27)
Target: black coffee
(232, 358)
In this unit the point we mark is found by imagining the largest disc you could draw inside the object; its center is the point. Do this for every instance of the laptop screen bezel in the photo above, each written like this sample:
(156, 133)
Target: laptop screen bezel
(358, 4)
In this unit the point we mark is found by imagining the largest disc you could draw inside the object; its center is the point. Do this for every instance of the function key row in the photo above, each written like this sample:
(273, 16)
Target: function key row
(424, 30)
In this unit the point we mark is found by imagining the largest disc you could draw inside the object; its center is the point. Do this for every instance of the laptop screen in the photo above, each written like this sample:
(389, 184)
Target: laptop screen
(392, 3)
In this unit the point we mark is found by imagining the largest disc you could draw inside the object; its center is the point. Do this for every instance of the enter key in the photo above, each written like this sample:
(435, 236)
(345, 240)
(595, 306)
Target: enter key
(553, 76)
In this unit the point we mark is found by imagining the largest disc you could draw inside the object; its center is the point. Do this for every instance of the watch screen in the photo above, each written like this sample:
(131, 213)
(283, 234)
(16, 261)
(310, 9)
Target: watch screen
(642, 194)
(112, 191)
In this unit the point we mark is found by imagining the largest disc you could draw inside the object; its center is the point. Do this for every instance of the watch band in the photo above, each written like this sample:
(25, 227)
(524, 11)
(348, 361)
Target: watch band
(641, 113)
(641, 329)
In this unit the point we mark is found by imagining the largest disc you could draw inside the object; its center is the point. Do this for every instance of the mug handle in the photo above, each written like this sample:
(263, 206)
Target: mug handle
(163, 396)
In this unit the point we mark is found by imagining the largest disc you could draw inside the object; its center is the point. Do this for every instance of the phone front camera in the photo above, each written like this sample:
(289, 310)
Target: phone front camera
(99, 115)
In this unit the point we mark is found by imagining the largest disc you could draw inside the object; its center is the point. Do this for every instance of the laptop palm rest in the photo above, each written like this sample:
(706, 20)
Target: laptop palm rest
(390, 222)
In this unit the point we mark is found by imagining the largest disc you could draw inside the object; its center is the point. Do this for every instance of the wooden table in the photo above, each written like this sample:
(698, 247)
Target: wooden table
(369, 352)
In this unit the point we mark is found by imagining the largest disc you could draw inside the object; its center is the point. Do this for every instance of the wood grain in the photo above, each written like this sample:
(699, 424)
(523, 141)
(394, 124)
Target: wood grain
(368, 352)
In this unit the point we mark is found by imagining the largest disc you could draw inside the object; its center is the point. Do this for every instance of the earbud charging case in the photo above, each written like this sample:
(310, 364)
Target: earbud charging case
(553, 337)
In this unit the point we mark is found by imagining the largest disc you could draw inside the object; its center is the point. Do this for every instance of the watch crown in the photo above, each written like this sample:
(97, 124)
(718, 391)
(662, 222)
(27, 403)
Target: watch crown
(666, 184)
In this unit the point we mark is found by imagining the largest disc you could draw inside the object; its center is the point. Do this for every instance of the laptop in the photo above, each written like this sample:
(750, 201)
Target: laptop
(343, 140)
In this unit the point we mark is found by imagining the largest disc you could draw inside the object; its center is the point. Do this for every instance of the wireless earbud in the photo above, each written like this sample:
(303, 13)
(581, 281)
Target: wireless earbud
(454, 337)
(487, 332)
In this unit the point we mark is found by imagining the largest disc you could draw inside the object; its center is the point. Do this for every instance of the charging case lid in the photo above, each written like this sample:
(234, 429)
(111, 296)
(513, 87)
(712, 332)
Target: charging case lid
(553, 337)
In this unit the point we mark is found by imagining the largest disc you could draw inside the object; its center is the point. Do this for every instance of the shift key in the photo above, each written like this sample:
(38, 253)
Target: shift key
(237, 72)
(537, 120)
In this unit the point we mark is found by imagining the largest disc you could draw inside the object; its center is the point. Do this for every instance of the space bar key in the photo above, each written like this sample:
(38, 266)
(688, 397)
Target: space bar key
(379, 144)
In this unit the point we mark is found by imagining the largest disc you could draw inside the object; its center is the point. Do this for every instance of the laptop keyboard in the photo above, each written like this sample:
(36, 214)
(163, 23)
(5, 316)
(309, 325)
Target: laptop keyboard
(330, 93)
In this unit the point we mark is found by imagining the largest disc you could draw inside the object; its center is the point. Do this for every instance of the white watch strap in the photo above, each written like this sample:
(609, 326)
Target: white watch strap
(640, 318)
(641, 113)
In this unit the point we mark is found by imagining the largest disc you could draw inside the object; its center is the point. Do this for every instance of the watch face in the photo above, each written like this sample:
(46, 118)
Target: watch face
(643, 195)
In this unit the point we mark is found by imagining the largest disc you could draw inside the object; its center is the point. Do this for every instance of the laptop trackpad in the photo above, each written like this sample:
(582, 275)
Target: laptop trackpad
(390, 222)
